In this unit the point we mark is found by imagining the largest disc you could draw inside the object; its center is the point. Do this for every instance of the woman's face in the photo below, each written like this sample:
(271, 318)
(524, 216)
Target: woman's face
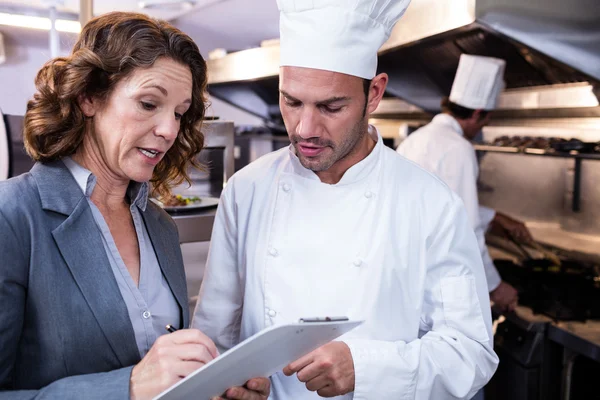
(139, 121)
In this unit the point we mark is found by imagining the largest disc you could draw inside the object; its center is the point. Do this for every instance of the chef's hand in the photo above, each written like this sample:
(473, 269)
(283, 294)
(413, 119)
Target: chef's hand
(170, 359)
(254, 389)
(515, 228)
(329, 370)
(505, 297)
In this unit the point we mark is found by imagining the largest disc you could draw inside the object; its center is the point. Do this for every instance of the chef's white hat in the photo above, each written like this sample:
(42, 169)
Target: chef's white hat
(478, 82)
(336, 35)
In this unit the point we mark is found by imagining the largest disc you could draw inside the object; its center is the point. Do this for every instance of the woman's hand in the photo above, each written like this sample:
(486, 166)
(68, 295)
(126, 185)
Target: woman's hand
(171, 358)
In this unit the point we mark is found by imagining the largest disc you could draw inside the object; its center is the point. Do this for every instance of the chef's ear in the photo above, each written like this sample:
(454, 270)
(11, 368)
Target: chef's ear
(480, 115)
(376, 91)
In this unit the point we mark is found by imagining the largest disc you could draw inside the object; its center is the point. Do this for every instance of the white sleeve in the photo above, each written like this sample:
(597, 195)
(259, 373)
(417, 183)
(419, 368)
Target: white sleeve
(219, 307)
(486, 215)
(459, 170)
(454, 356)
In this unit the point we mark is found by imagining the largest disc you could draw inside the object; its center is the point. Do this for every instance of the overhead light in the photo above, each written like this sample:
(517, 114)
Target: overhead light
(165, 4)
(27, 21)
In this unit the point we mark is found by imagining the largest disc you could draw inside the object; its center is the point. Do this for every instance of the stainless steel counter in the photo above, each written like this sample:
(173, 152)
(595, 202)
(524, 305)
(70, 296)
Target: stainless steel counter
(195, 227)
(578, 337)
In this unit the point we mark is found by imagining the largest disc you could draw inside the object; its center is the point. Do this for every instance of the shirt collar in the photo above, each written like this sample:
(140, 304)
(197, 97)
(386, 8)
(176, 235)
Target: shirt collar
(450, 121)
(86, 181)
(355, 173)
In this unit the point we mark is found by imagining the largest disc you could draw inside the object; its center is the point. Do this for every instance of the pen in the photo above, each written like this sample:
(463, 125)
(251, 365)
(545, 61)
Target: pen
(170, 328)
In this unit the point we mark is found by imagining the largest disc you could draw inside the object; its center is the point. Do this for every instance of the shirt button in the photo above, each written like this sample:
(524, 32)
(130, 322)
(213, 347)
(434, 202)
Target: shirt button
(272, 313)
(146, 314)
(357, 262)
(286, 187)
(368, 194)
(273, 251)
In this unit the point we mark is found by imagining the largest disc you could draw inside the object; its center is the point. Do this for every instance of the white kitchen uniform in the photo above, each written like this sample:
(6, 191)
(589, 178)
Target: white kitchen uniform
(441, 149)
(389, 244)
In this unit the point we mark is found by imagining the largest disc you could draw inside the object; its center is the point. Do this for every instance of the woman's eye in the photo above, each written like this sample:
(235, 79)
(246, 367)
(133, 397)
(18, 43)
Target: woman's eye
(147, 106)
(178, 116)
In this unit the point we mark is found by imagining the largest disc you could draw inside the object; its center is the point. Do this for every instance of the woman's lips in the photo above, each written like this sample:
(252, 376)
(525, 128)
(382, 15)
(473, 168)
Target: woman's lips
(150, 156)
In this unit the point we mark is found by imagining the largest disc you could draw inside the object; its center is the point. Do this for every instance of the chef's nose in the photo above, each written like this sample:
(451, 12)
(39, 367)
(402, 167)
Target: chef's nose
(308, 124)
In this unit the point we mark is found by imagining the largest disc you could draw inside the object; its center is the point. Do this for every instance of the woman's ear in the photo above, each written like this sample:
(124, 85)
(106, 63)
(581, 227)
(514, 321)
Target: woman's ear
(87, 105)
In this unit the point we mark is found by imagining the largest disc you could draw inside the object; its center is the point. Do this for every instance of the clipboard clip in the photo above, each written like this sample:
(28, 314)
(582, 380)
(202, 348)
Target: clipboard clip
(323, 319)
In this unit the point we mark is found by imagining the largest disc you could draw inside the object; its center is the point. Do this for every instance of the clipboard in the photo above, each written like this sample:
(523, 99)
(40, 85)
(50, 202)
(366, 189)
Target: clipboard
(261, 355)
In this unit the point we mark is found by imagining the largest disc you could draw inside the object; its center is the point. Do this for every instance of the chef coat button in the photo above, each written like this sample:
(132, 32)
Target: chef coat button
(286, 187)
(272, 313)
(368, 194)
(273, 251)
(357, 262)
(146, 314)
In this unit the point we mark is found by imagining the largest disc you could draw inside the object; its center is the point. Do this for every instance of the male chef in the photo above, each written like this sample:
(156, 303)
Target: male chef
(443, 148)
(337, 224)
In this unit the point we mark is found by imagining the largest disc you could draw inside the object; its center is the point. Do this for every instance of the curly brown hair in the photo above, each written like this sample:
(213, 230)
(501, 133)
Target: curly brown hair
(110, 47)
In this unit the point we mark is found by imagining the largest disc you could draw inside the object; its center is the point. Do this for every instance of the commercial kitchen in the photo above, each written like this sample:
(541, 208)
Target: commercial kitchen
(539, 158)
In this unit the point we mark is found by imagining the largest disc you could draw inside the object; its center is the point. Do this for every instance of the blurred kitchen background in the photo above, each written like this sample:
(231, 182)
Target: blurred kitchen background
(539, 158)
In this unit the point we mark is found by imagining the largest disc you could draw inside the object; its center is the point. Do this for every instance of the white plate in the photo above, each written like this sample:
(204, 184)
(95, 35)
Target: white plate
(204, 202)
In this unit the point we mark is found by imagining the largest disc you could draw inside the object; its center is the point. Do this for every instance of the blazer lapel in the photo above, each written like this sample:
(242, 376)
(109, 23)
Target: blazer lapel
(78, 240)
(168, 253)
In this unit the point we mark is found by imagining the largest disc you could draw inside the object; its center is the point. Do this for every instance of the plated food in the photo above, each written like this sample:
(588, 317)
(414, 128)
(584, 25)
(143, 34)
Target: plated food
(185, 203)
(179, 200)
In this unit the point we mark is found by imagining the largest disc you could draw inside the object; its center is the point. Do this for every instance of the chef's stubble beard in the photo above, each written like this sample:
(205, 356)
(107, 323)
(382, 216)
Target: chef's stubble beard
(345, 148)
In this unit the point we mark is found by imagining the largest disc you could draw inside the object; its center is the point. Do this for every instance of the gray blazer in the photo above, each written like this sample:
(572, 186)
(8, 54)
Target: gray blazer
(64, 328)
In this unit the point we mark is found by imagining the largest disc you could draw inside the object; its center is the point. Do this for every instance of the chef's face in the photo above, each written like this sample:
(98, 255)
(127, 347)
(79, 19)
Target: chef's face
(476, 123)
(325, 114)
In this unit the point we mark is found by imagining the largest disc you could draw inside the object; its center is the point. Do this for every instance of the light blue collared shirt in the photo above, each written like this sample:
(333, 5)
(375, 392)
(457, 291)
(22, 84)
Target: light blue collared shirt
(151, 305)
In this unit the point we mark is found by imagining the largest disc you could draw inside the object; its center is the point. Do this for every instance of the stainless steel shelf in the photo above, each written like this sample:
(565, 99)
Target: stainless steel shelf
(535, 152)
(574, 155)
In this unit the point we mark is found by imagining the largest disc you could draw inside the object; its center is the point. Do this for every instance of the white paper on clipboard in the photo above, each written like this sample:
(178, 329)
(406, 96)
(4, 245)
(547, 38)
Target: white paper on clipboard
(261, 355)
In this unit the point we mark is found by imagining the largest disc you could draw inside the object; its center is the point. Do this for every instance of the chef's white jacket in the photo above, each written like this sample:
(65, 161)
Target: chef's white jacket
(389, 244)
(441, 148)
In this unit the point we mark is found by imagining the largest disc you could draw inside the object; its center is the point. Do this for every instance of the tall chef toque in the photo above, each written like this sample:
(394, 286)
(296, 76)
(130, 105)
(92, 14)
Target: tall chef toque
(336, 35)
(478, 82)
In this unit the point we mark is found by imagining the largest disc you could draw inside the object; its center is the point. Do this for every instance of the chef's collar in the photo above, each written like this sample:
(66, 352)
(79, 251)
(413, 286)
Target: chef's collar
(450, 121)
(355, 173)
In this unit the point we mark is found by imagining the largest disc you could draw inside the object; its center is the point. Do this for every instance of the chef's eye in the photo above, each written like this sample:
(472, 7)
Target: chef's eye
(292, 104)
(331, 110)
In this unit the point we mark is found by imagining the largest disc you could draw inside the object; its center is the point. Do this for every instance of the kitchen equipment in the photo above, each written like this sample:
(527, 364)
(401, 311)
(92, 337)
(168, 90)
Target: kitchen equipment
(20, 161)
(570, 291)
(575, 145)
(547, 253)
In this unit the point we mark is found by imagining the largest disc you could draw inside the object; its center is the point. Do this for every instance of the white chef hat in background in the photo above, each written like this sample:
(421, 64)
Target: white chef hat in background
(478, 82)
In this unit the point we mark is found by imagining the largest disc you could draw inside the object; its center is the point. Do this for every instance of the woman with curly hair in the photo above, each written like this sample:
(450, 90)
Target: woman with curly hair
(91, 271)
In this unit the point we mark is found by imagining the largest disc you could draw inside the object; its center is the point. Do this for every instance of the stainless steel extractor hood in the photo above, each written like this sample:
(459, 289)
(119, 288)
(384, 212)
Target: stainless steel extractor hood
(545, 42)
